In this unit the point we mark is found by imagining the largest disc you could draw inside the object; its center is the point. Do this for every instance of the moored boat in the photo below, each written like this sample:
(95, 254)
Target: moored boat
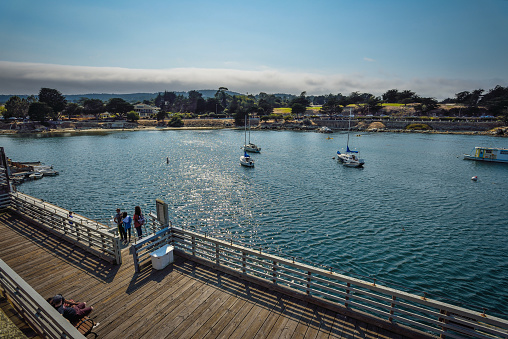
(488, 154)
(35, 175)
(324, 129)
(246, 160)
(349, 159)
(249, 147)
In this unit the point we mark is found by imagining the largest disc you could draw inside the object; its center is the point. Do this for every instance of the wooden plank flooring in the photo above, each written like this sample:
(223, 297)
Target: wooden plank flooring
(185, 300)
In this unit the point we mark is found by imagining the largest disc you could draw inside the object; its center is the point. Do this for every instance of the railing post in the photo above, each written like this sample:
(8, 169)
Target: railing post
(347, 295)
(308, 282)
(117, 250)
(244, 262)
(64, 228)
(392, 308)
(444, 321)
(193, 240)
(89, 237)
(135, 258)
(217, 259)
(274, 272)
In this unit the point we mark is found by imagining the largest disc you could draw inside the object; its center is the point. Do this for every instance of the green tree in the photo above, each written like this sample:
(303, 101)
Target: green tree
(132, 116)
(332, 105)
(299, 104)
(264, 107)
(240, 106)
(93, 107)
(298, 109)
(165, 101)
(222, 96)
(17, 107)
(496, 101)
(118, 105)
(54, 99)
(161, 115)
(470, 99)
(39, 111)
(426, 105)
(72, 109)
(391, 96)
(14, 108)
(192, 101)
(175, 121)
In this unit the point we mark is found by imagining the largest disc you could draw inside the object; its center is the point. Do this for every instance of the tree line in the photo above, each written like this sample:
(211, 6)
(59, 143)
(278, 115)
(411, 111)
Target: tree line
(51, 104)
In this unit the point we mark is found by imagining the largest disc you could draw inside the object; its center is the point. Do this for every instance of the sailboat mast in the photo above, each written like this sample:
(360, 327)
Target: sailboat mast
(349, 127)
(245, 135)
(249, 129)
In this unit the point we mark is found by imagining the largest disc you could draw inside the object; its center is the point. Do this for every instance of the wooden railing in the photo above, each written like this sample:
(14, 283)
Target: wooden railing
(5, 186)
(349, 294)
(44, 318)
(83, 232)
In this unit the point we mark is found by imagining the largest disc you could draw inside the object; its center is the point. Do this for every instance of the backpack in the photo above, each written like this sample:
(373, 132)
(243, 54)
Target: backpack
(141, 220)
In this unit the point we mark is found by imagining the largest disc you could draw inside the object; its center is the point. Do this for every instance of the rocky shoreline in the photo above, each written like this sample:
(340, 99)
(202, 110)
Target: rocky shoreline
(495, 129)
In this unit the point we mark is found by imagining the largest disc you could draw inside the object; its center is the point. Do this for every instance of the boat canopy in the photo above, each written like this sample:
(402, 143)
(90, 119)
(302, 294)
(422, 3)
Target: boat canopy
(246, 155)
(350, 151)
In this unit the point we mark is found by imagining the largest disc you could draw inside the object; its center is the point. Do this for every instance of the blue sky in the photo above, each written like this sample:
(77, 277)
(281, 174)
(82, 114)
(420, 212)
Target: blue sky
(435, 48)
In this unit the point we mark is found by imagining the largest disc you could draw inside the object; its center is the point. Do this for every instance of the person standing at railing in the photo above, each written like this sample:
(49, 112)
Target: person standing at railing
(139, 221)
(127, 224)
(119, 222)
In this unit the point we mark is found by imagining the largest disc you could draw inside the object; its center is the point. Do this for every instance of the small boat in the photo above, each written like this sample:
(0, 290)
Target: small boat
(249, 147)
(246, 160)
(349, 158)
(352, 161)
(488, 154)
(39, 168)
(35, 175)
(324, 129)
(48, 172)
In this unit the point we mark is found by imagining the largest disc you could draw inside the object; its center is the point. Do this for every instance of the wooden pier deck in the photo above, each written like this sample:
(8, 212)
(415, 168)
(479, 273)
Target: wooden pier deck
(185, 300)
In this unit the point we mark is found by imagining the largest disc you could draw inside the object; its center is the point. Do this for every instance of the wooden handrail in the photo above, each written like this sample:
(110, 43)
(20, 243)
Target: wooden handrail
(392, 305)
(35, 309)
(83, 232)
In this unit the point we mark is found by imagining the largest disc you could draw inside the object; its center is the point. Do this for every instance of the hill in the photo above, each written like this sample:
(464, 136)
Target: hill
(131, 97)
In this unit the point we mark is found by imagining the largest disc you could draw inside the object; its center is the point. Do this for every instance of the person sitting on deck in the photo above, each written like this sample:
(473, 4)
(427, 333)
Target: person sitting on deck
(70, 309)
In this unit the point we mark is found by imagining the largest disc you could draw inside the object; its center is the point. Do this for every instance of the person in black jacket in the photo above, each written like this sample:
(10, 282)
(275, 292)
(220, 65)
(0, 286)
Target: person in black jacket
(70, 309)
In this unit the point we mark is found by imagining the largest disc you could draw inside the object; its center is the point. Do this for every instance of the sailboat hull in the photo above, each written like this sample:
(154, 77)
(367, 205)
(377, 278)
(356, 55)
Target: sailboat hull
(246, 161)
(251, 148)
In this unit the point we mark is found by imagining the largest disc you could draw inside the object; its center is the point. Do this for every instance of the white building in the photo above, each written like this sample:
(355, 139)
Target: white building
(145, 111)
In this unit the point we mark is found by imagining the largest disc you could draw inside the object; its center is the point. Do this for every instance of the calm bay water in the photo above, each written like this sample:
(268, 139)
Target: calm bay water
(412, 218)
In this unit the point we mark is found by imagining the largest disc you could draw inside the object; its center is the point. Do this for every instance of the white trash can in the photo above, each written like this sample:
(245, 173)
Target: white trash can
(162, 257)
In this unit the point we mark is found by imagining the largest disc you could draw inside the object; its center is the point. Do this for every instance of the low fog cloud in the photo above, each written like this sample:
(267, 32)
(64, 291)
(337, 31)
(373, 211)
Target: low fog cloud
(28, 78)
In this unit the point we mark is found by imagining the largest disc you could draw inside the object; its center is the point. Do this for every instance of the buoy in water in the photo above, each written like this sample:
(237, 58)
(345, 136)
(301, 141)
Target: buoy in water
(475, 178)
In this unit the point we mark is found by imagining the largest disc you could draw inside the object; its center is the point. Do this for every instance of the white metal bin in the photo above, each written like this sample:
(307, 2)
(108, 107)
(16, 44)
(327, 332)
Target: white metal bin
(162, 257)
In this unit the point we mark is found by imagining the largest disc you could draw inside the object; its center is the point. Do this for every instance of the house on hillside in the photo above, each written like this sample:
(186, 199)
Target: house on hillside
(145, 111)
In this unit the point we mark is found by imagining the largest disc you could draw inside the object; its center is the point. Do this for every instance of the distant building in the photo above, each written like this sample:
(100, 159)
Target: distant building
(145, 111)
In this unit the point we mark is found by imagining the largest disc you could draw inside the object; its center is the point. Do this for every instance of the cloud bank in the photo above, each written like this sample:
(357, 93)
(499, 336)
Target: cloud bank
(29, 78)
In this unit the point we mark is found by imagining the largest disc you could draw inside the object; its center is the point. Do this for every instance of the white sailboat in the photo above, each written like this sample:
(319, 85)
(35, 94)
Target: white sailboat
(349, 158)
(245, 159)
(250, 147)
